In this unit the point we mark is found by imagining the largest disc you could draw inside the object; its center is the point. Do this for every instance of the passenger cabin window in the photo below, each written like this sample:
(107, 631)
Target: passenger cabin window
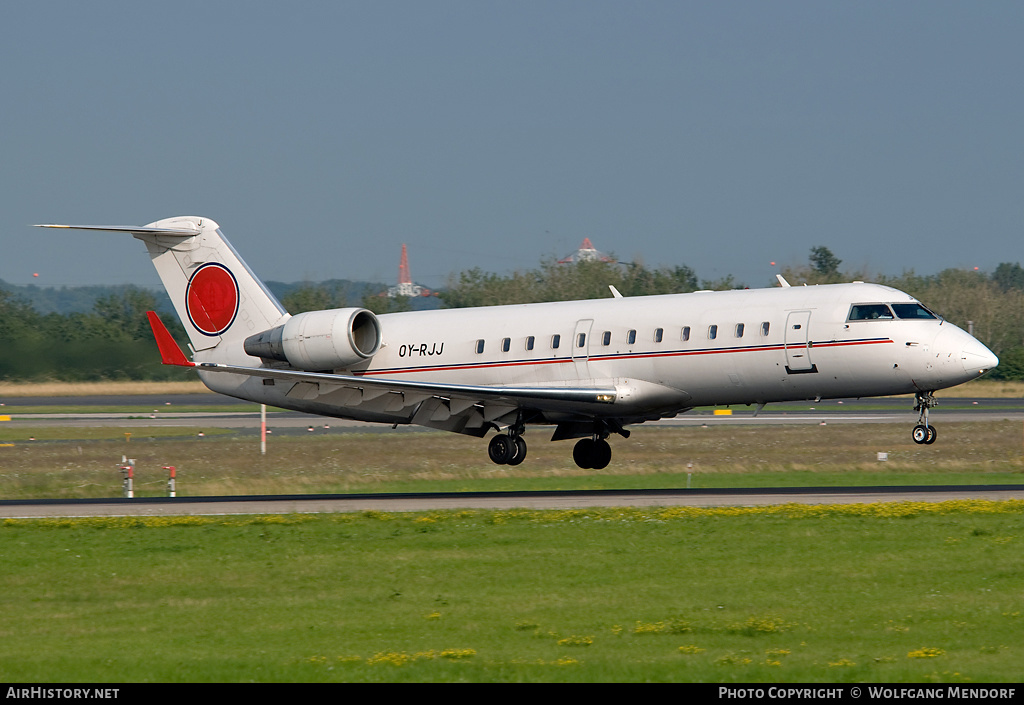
(479, 346)
(529, 342)
(713, 332)
(506, 344)
(913, 311)
(869, 312)
(631, 337)
(581, 340)
(606, 339)
(658, 334)
(686, 333)
(556, 340)
(764, 328)
(739, 330)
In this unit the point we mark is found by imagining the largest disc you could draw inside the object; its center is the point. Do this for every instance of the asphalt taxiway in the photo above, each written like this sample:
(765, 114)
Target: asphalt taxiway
(421, 502)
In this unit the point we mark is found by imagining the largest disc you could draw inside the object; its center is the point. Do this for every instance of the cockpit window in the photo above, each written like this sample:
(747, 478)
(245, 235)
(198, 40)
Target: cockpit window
(912, 311)
(870, 312)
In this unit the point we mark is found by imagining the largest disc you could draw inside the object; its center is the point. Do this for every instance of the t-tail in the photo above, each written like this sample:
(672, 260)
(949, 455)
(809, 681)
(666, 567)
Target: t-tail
(217, 297)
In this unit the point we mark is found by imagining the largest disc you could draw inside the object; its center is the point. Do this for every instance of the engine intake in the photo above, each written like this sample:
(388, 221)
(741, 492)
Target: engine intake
(320, 340)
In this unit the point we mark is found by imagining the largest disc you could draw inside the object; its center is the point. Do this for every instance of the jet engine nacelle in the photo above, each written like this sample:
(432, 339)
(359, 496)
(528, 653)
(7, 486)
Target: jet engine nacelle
(320, 340)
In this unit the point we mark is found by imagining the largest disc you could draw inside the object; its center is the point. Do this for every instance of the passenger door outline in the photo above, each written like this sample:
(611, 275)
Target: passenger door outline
(798, 343)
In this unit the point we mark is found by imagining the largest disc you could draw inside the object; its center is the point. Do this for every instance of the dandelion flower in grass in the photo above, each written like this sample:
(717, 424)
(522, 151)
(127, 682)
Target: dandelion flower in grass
(926, 653)
(576, 641)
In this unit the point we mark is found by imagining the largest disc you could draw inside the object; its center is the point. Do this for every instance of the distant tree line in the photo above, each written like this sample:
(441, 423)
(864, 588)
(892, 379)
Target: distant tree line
(553, 281)
(113, 340)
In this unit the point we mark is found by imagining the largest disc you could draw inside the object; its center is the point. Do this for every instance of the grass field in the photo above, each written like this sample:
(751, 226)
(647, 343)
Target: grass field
(883, 593)
(73, 462)
(82, 389)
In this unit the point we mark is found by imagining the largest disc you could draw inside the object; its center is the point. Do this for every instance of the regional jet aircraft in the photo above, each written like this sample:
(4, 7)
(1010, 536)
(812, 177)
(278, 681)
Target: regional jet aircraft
(587, 368)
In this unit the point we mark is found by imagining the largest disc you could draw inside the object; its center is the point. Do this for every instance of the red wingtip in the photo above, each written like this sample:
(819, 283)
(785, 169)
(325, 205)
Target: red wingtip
(170, 353)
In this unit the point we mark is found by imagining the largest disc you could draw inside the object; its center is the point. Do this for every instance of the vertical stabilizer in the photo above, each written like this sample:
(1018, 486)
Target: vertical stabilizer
(216, 295)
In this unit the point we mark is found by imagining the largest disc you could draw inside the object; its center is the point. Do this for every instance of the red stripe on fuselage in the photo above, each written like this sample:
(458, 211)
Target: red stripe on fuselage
(622, 356)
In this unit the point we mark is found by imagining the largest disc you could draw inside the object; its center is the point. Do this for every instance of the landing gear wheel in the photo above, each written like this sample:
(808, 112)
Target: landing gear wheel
(592, 454)
(924, 432)
(602, 455)
(582, 452)
(520, 455)
(502, 449)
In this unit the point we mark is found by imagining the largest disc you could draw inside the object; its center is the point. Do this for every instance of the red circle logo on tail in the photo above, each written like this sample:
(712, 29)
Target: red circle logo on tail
(211, 299)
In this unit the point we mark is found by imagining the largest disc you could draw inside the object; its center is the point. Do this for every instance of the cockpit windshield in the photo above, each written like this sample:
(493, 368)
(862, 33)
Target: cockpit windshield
(878, 312)
(912, 311)
(870, 312)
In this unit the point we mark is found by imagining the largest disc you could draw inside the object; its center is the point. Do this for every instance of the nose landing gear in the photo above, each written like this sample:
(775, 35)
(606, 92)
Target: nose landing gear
(923, 432)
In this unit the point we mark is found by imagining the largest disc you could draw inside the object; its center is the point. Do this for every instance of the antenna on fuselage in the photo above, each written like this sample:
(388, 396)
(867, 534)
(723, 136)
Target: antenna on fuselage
(782, 281)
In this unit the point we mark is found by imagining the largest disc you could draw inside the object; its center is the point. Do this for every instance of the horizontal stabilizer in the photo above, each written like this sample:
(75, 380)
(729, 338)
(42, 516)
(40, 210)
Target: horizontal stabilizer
(177, 232)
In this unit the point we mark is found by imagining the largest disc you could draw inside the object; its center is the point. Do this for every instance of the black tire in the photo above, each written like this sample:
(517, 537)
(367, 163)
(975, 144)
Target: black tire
(602, 455)
(583, 453)
(520, 455)
(932, 435)
(501, 449)
(920, 434)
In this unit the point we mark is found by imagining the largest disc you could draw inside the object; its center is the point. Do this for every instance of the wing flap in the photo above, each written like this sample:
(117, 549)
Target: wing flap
(468, 394)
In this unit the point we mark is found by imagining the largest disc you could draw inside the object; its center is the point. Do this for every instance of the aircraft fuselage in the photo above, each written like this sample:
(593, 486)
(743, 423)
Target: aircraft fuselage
(666, 354)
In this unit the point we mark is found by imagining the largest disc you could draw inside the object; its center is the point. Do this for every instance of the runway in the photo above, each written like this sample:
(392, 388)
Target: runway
(317, 504)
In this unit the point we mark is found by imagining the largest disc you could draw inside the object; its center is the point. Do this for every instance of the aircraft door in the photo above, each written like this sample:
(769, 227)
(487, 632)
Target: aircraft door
(581, 348)
(798, 345)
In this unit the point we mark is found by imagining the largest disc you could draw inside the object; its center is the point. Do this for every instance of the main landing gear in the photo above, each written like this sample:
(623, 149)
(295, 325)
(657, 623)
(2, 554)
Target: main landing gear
(507, 449)
(923, 432)
(591, 452)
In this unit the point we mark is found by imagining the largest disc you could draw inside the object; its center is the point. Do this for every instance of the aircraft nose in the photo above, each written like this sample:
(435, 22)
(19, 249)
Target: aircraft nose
(977, 358)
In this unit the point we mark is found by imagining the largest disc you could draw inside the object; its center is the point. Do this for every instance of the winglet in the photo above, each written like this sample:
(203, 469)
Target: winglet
(170, 353)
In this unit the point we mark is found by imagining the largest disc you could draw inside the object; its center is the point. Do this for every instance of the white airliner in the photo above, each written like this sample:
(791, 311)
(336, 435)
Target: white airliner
(587, 368)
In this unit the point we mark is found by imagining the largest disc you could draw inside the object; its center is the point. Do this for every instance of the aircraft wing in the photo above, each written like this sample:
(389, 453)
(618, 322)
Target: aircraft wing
(464, 408)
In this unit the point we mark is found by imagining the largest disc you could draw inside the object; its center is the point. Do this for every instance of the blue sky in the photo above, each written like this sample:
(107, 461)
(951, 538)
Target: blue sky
(323, 135)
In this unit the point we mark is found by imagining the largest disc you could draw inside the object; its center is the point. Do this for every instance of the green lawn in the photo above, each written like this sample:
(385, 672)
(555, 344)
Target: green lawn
(884, 593)
(82, 462)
